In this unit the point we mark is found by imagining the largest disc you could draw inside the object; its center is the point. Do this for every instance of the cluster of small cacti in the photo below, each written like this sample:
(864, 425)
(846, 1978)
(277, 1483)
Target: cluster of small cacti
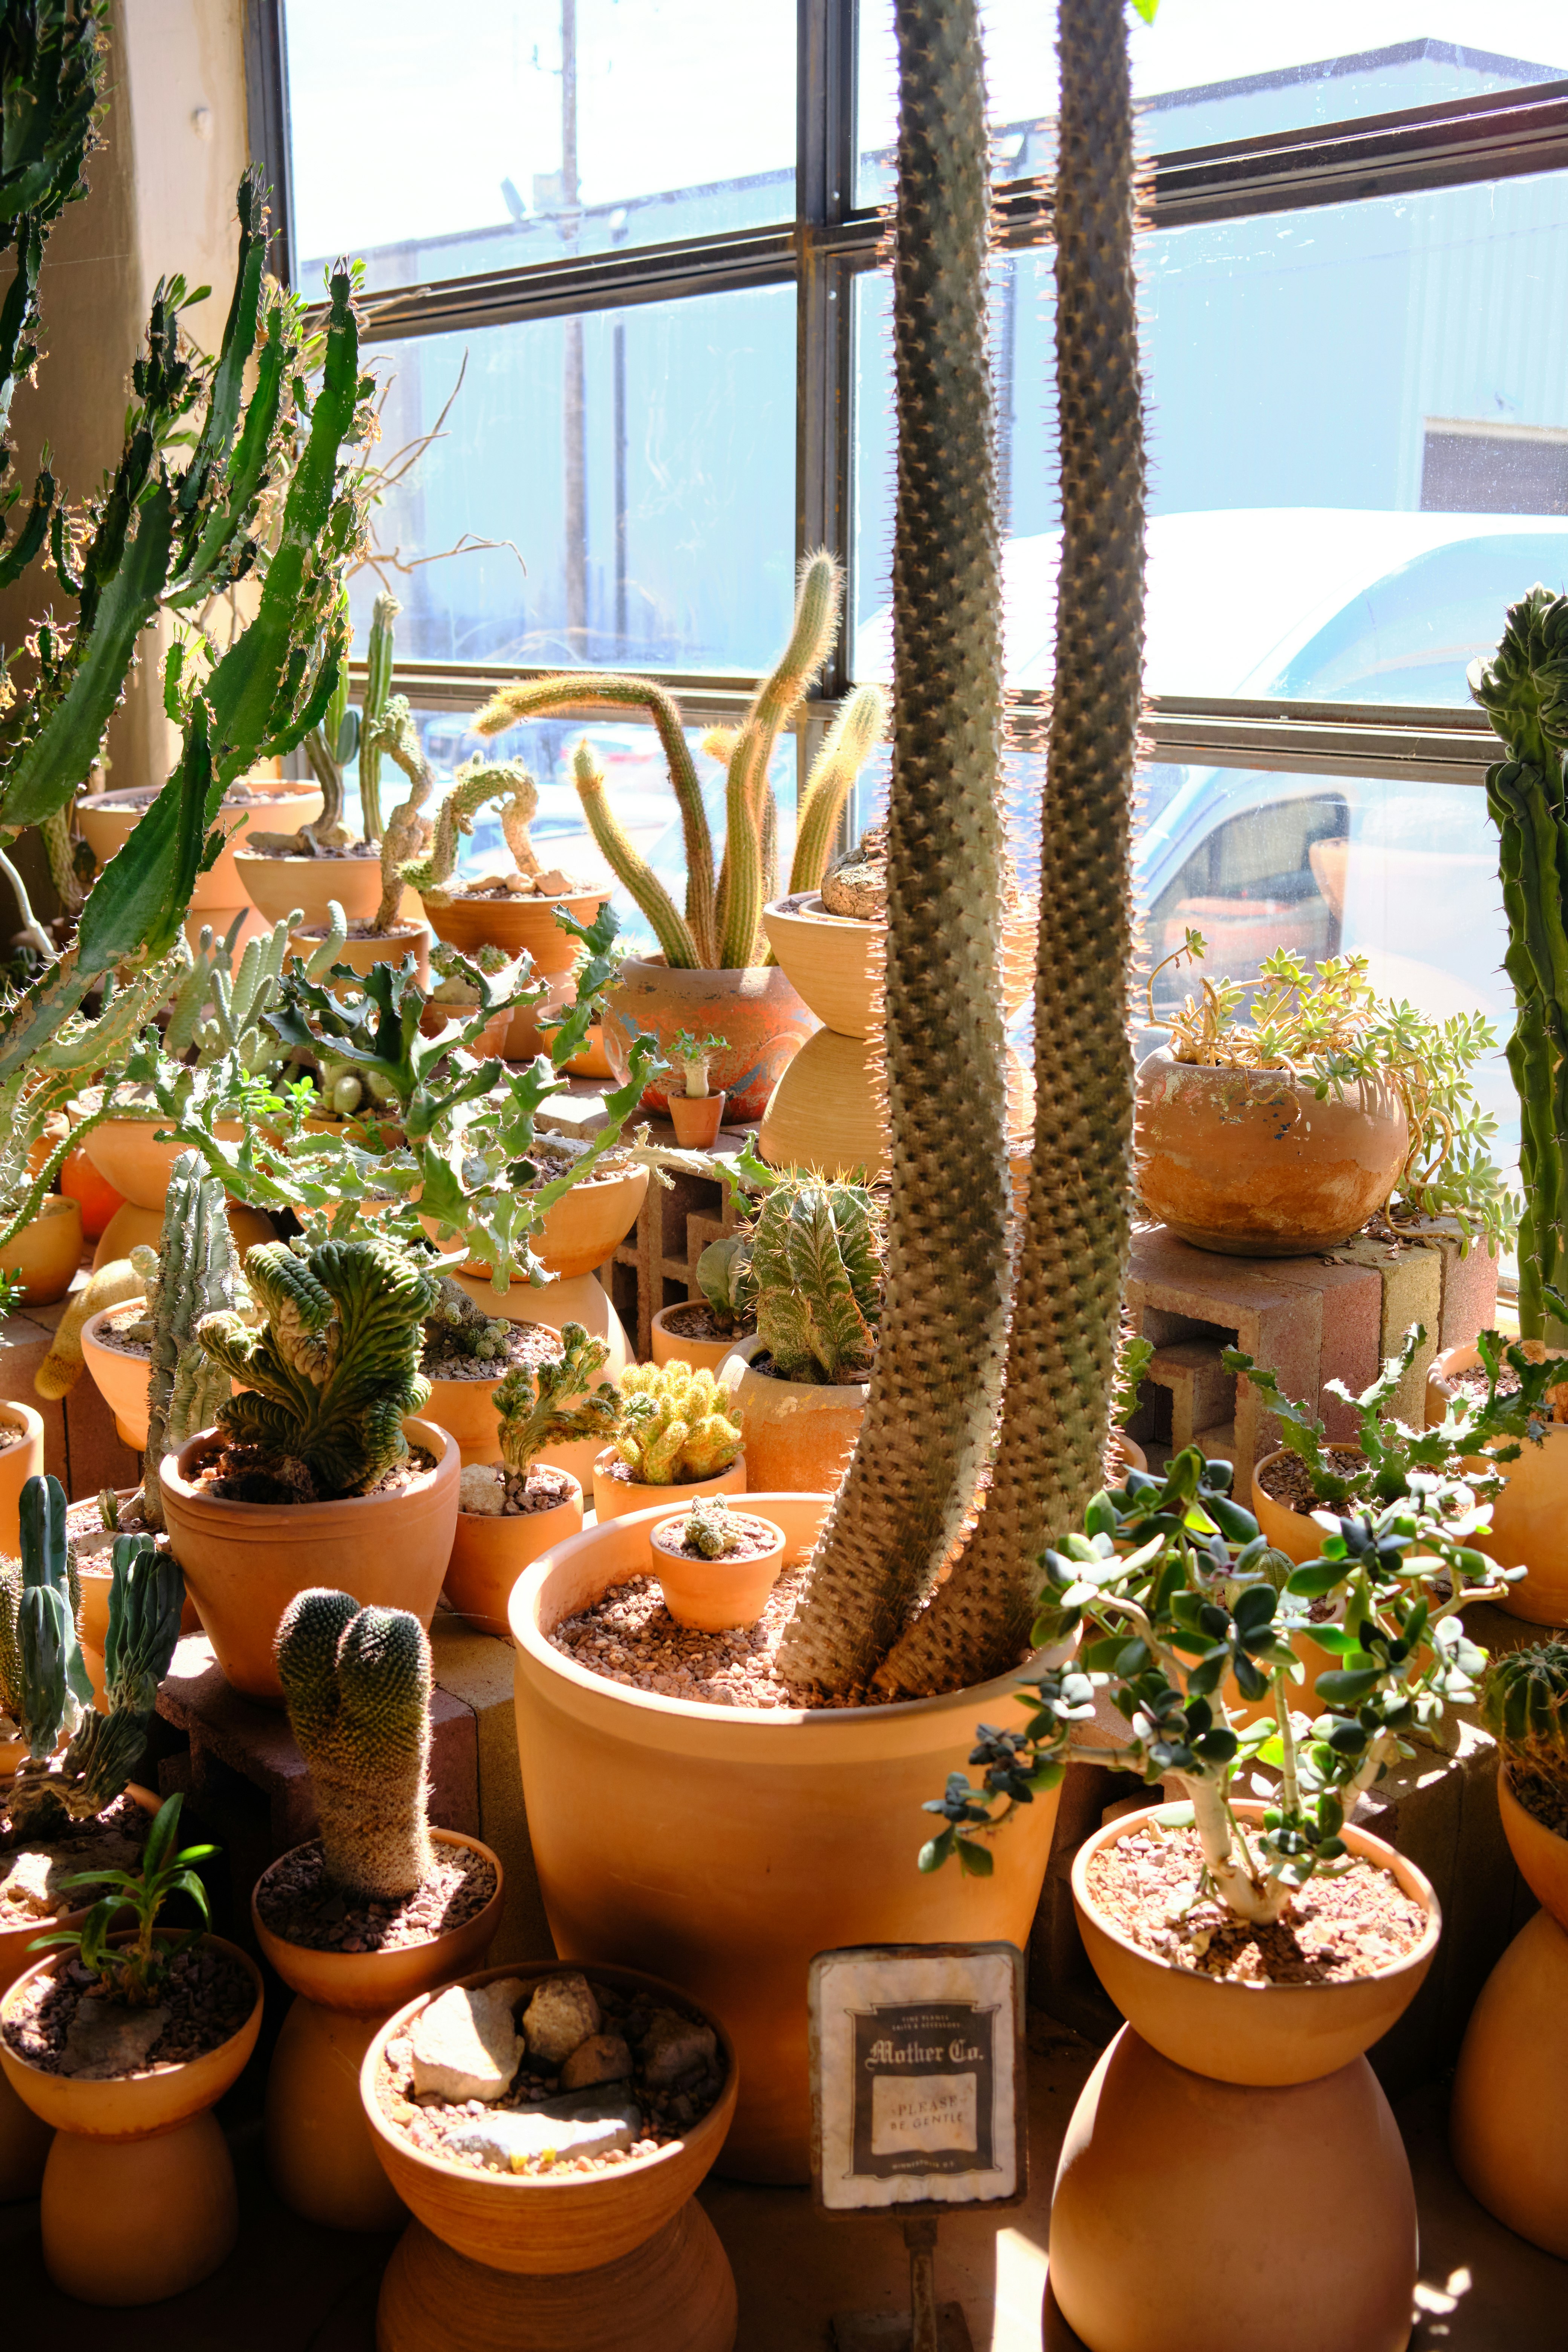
(356, 1682)
(1524, 1705)
(815, 1278)
(457, 1327)
(194, 1272)
(710, 1528)
(674, 1426)
(220, 1006)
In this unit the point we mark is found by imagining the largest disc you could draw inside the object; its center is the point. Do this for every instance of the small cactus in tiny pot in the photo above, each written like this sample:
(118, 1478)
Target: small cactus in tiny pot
(715, 1567)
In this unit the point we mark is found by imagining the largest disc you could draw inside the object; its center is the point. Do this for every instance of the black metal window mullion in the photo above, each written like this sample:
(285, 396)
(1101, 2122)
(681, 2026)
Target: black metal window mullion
(267, 124)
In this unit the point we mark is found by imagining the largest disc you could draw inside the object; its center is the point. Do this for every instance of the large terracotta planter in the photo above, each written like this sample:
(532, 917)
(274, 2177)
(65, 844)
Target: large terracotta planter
(618, 1498)
(244, 1562)
(306, 887)
(756, 1010)
(798, 1437)
(47, 1253)
(121, 1379)
(21, 1458)
(584, 1228)
(319, 2151)
(836, 961)
(724, 1846)
(667, 1347)
(489, 1555)
(828, 1110)
(137, 1156)
(519, 926)
(1250, 1163)
(1530, 1514)
(139, 2198)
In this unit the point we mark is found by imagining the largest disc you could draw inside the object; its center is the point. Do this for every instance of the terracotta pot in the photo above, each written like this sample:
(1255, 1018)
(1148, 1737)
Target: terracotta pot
(1542, 1855)
(584, 1228)
(121, 1380)
(137, 1156)
(1121, 2252)
(827, 1110)
(1507, 2118)
(47, 1253)
(144, 2158)
(244, 1562)
(21, 1458)
(1530, 1514)
(798, 1438)
(616, 1499)
(106, 825)
(489, 1555)
(756, 1010)
(702, 1355)
(129, 1226)
(697, 1119)
(714, 1595)
(1268, 2034)
(836, 961)
(577, 1299)
(278, 888)
(81, 1181)
(726, 1846)
(1250, 1162)
(466, 1411)
(1295, 1533)
(517, 926)
(403, 939)
(490, 1042)
(319, 2150)
(1129, 1453)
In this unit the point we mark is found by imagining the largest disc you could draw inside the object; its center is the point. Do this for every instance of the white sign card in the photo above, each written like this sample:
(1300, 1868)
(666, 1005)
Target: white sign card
(918, 2076)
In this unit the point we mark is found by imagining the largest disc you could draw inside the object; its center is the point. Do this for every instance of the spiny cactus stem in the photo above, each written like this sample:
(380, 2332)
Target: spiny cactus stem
(849, 744)
(631, 871)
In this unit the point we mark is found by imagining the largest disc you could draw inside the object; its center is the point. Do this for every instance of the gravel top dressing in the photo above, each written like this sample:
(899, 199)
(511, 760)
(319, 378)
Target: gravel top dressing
(629, 1636)
(697, 1320)
(298, 1903)
(1285, 1480)
(1543, 1800)
(754, 1537)
(529, 1343)
(115, 1331)
(63, 2024)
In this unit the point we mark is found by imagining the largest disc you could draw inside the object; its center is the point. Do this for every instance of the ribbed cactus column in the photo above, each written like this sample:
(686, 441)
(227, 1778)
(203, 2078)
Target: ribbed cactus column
(195, 1273)
(933, 1390)
(357, 1683)
(1068, 1294)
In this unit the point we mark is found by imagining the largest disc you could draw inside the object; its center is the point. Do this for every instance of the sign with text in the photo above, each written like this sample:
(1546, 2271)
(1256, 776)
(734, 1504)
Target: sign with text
(918, 2076)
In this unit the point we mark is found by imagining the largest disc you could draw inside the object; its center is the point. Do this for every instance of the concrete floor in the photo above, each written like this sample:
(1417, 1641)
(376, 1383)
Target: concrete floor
(290, 2287)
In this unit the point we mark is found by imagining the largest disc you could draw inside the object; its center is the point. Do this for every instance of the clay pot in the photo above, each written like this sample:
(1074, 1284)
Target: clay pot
(489, 1555)
(137, 1156)
(280, 887)
(518, 926)
(702, 1355)
(319, 2151)
(219, 895)
(1507, 2119)
(405, 938)
(755, 1009)
(798, 1437)
(714, 1595)
(21, 1458)
(1250, 1163)
(616, 1498)
(121, 1380)
(584, 1228)
(244, 1562)
(47, 1253)
(139, 2198)
(1270, 2034)
(836, 961)
(80, 1182)
(1530, 1513)
(1197, 2279)
(828, 1110)
(1295, 1533)
(576, 1299)
(725, 1846)
(129, 1226)
(697, 1119)
(1128, 1454)
(490, 1042)
(1542, 1855)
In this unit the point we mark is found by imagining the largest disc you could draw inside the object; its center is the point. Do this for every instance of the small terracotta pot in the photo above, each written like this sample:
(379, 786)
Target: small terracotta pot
(129, 1226)
(1530, 1514)
(81, 1181)
(836, 961)
(121, 1379)
(755, 1009)
(143, 2157)
(1250, 1163)
(489, 1555)
(616, 1499)
(702, 1355)
(697, 1119)
(714, 1595)
(1542, 1855)
(21, 1458)
(47, 1253)
(280, 887)
(319, 2151)
(584, 1228)
(1295, 1533)
(798, 1437)
(518, 926)
(1267, 2034)
(403, 939)
(244, 1562)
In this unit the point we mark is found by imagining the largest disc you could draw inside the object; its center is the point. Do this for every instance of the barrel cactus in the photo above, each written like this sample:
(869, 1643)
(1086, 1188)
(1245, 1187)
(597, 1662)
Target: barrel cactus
(1524, 1705)
(195, 1273)
(675, 1426)
(817, 1278)
(356, 1682)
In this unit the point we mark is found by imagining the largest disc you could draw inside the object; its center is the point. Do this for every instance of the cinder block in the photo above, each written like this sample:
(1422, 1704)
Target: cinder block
(1201, 1391)
(1352, 1298)
(1279, 1324)
(478, 1669)
(1412, 1279)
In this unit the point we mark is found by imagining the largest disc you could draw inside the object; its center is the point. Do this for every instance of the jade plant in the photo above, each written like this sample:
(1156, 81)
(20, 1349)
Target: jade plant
(329, 1378)
(1168, 1592)
(551, 1403)
(132, 1972)
(1524, 1705)
(356, 1682)
(193, 1273)
(674, 1426)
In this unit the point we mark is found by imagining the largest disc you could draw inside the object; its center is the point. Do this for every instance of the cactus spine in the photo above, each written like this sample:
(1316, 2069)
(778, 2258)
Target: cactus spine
(1524, 1705)
(356, 1682)
(195, 1273)
(675, 1426)
(535, 1407)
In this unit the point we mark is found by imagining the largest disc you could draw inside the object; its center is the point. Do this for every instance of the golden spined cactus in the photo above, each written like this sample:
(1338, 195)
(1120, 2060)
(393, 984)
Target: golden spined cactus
(356, 1682)
(675, 1426)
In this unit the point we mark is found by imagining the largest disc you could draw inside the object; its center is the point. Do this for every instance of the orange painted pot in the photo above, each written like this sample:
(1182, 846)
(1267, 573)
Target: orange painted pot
(47, 1253)
(1507, 2118)
(278, 888)
(714, 1595)
(1530, 1514)
(703, 1355)
(405, 938)
(616, 1499)
(244, 1562)
(583, 1229)
(727, 1845)
(519, 926)
(489, 1555)
(764, 1023)
(1250, 1163)
(798, 1437)
(21, 1458)
(82, 1182)
(121, 1379)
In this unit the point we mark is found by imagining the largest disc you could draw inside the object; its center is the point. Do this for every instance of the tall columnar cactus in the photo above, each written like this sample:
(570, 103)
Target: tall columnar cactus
(816, 1279)
(195, 1273)
(674, 1425)
(407, 832)
(1524, 1705)
(475, 783)
(329, 1378)
(1523, 689)
(55, 1688)
(553, 1404)
(356, 1682)
(933, 1387)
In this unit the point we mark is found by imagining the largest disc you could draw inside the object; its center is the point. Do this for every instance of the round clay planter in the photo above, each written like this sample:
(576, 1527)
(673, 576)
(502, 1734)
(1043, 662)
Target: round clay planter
(1129, 1455)
(697, 1119)
(1542, 1855)
(139, 2198)
(278, 888)
(137, 1156)
(836, 961)
(129, 1226)
(1250, 1163)
(583, 1229)
(1295, 1533)
(21, 1458)
(1507, 2118)
(80, 1182)
(798, 1437)
(518, 926)
(47, 1253)
(1268, 2034)
(616, 1499)
(466, 1411)
(244, 1562)
(756, 1010)
(319, 2152)
(489, 1555)
(702, 1355)
(828, 1110)
(490, 1042)
(714, 1596)
(405, 938)
(577, 1299)
(121, 1379)
(1338, 2176)
(1530, 1513)
(105, 824)
(727, 1845)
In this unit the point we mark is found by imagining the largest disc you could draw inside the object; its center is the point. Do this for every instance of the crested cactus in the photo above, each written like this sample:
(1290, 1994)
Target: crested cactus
(1524, 1705)
(675, 1426)
(552, 1404)
(330, 1375)
(356, 1682)
(407, 832)
(195, 1273)
(475, 783)
(815, 1276)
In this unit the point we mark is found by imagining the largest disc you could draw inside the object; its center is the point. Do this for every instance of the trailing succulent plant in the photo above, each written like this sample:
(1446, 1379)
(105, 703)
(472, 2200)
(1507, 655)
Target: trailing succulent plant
(1524, 1705)
(194, 1272)
(356, 1682)
(334, 1367)
(674, 1426)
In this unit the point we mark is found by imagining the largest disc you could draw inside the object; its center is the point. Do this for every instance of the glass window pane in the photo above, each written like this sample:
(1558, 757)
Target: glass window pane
(1209, 71)
(518, 131)
(641, 465)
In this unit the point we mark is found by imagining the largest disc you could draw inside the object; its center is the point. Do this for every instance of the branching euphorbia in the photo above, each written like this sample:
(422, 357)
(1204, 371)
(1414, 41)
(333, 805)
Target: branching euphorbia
(1187, 1610)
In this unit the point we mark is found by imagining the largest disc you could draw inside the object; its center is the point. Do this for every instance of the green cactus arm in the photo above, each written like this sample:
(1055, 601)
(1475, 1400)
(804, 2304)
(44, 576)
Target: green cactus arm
(861, 723)
(56, 1687)
(709, 1446)
(250, 473)
(395, 733)
(377, 690)
(534, 1407)
(739, 897)
(1524, 1705)
(197, 1275)
(473, 785)
(631, 871)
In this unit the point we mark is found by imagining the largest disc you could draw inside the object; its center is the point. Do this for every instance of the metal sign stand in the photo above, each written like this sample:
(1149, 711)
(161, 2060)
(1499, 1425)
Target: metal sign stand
(927, 2326)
